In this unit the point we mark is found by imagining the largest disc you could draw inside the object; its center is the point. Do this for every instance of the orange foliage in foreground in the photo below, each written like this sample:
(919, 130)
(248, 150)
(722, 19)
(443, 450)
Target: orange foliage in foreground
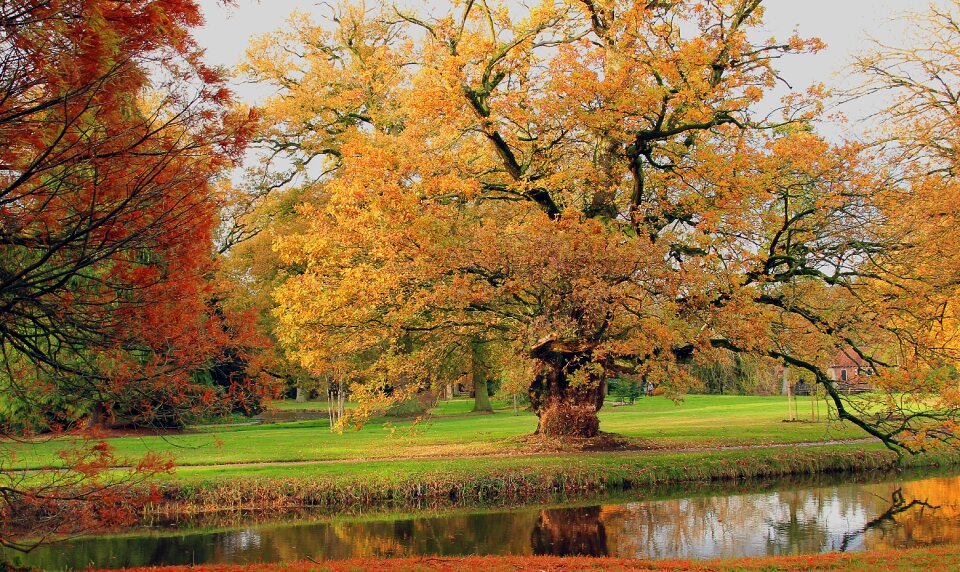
(943, 558)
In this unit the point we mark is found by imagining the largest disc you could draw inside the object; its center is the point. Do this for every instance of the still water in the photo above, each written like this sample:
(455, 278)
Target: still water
(720, 522)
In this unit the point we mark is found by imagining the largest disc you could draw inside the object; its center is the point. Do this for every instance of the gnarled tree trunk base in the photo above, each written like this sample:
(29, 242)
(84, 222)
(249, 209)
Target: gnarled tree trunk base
(567, 390)
(564, 419)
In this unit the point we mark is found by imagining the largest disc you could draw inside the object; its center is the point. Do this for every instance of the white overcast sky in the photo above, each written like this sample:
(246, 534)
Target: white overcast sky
(845, 25)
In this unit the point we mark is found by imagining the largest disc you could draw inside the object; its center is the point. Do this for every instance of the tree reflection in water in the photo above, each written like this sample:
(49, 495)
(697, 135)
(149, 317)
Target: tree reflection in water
(787, 518)
(570, 532)
(888, 520)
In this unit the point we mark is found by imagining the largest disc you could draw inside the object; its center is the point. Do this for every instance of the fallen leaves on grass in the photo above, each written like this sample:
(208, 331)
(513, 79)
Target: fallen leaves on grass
(928, 560)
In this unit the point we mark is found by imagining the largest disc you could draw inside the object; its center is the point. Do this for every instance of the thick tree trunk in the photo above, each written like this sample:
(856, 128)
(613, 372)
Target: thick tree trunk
(481, 398)
(478, 376)
(99, 417)
(565, 398)
(301, 395)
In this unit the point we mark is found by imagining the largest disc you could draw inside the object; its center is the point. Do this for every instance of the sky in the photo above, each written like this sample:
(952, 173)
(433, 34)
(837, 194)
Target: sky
(847, 27)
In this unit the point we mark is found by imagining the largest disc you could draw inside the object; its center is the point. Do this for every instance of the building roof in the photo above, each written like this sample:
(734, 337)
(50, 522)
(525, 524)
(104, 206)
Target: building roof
(847, 357)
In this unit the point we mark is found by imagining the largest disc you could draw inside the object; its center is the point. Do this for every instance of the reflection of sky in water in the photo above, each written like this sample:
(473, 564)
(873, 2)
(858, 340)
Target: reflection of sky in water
(810, 520)
(747, 525)
(788, 522)
(241, 541)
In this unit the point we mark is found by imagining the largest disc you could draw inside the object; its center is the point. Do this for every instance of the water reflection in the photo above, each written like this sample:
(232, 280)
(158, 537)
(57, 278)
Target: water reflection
(570, 532)
(787, 521)
(888, 520)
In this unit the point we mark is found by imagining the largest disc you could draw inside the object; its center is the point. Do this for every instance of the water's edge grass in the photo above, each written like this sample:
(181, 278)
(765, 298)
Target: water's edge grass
(506, 481)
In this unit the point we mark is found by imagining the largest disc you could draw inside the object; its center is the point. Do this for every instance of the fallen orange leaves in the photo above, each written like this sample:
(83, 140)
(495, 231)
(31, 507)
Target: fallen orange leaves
(929, 559)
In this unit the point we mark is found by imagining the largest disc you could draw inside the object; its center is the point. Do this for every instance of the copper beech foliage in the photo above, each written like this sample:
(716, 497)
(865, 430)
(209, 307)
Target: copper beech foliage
(112, 132)
(602, 186)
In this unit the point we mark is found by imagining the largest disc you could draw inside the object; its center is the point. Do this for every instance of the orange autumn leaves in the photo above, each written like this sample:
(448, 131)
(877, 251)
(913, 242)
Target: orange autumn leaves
(933, 559)
(590, 184)
(107, 218)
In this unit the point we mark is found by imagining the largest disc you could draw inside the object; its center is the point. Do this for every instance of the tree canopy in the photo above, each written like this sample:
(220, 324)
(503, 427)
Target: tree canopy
(603, 186)
(112, 134)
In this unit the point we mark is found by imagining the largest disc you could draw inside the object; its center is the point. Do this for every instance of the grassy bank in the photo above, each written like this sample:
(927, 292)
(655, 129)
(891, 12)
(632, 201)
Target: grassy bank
(700, 421)
(927, 559)
(435, 483)
(455, 458)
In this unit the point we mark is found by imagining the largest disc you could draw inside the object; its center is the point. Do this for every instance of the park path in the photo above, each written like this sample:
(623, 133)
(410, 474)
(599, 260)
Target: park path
(520, 455)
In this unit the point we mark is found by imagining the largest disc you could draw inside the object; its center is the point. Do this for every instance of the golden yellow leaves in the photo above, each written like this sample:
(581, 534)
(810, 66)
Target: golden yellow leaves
(597, 179)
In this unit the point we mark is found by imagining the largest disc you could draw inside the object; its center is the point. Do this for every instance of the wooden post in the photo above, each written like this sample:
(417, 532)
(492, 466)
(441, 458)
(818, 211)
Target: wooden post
(813, 402)
(817, 389)
(790, 402)
(789, 386)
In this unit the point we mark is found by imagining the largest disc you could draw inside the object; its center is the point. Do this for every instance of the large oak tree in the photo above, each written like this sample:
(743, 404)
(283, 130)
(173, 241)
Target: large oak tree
(594, 183)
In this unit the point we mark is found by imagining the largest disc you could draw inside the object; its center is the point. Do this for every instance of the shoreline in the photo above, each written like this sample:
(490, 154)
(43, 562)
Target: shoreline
(846, 465)
(417, 484)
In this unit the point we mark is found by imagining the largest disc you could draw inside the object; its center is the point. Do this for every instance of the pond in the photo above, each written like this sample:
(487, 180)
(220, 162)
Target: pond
(710, 521)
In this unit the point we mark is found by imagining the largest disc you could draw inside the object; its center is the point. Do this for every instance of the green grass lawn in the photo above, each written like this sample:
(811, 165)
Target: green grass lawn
(293, 405)
(451, 430)
(667, 466)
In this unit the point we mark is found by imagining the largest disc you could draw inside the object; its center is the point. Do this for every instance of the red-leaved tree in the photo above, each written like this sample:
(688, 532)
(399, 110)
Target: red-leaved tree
(112, 134)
